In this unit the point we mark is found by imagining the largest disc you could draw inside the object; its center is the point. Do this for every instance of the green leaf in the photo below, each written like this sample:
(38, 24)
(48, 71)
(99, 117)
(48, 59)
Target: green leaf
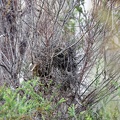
(79, 9)
(71, 111)
(61, 100)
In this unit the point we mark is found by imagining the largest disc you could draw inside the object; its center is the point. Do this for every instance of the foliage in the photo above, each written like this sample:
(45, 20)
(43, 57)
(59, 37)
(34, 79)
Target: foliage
(71, 111)
(110, 107)
(24, 102)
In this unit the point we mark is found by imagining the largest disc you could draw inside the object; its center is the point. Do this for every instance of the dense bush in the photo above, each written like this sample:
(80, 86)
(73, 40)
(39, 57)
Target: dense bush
(74, 54)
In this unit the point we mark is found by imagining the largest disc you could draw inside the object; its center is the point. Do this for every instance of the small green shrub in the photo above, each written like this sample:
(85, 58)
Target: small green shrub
(26, 103)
